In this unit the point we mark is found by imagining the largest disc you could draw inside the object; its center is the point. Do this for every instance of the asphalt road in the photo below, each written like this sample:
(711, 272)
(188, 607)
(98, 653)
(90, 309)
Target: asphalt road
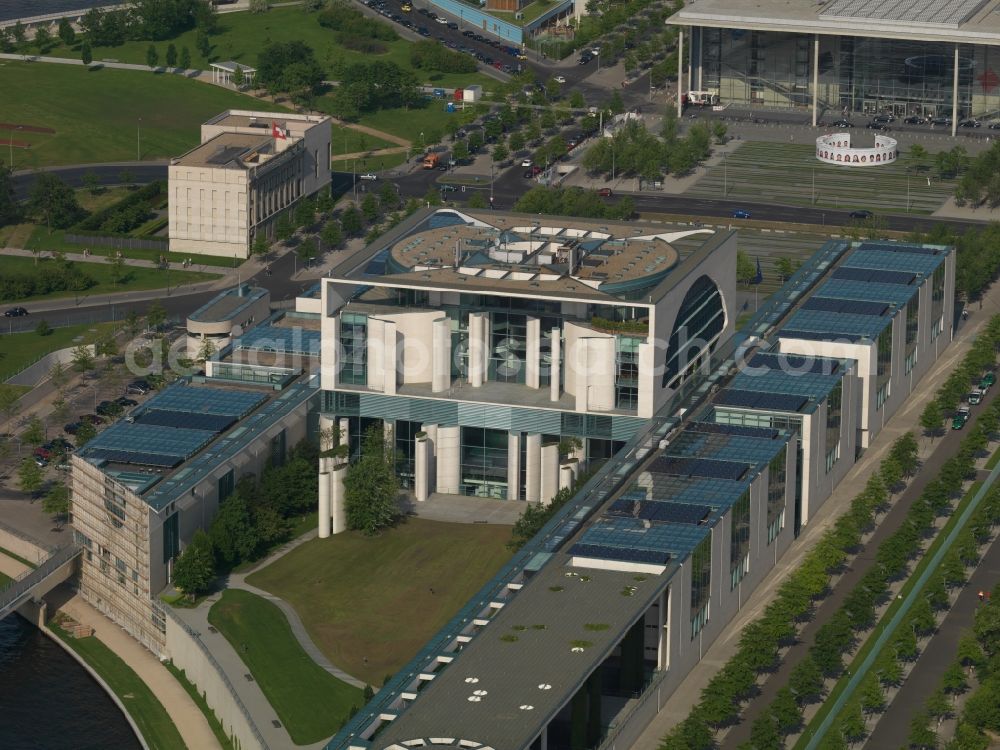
(938, 654)
(946, 447)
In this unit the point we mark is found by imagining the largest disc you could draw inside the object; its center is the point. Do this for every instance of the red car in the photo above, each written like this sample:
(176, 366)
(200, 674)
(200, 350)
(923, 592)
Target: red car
(605, 192)
(41, 452)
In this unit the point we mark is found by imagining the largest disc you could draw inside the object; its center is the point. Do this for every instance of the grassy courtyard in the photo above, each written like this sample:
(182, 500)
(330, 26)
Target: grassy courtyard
(136, 278)
(371, 603)
(311, 703)
(96, 113)
(18, 350)
(784, 173)
(243, 35)
(148, 713)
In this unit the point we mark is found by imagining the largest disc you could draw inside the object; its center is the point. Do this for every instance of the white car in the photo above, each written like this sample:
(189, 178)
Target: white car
(368, 176)
(526, 163)
(441, 20)
(560, 79)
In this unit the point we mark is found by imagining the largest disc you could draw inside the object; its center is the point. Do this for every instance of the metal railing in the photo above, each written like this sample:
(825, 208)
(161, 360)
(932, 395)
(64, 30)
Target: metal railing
(119, 243)
(16, 590)
(624, 719)
(196, 637)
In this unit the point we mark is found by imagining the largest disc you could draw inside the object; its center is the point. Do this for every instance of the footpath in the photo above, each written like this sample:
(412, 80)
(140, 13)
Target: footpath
(725, 646)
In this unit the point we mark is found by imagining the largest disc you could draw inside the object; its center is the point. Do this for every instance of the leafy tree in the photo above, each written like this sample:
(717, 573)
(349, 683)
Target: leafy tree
(921, 737)
(852, 722)
(261, 246)
(85, 433)
(290, 67)
(351, 220)
(206, 350)
(370, 207)
(953, 680)
(968, 737)
(746, 270)
(371, 486)
(332, 235)
(10, 209)
(29, 476)
(388, 198)
(969, 653)
(460, 151)
(185, 59)
(83, 358)
(284, 229)
(806, 681)
(152, 56)
(233, 535)
(42, 40)
(34, 433)
(764, 730)
(171, 58)
(785, 266)
(66, 32)
(931, 417)
(54, 201)
(156, 316)
(786, 712)
(194, 568)
(305, 213)
(616, 105)
(86, 55)
(872, 695)
(324, 202)
(202, 44)
(56, 501)
(307, 250)
(500, 152)
(43, 328)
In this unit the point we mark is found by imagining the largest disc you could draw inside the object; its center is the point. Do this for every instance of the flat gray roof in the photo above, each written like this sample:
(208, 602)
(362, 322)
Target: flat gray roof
(959, 21)
(227, 304)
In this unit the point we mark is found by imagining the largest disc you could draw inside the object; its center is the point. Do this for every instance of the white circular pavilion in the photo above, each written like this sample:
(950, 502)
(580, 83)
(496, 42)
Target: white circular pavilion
(835, 148)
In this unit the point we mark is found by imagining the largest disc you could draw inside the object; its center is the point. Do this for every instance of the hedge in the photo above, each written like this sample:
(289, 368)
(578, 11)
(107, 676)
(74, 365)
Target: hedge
(143, 195)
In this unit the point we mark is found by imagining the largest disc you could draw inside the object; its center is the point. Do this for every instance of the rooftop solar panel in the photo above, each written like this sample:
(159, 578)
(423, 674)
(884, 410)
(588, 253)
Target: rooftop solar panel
(605, 552)
(871, 274)
(151, 439)
(203, 400)
(294, 340)
(795, 363)
(900, 247)
(761, 400)
(135, 457)
(858, 307)
(733, 429)
(186, 419)
(699, 467)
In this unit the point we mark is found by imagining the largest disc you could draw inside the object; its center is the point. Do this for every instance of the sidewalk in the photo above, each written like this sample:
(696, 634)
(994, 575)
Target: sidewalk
(187, 717)
(679, 705)
(93, 258)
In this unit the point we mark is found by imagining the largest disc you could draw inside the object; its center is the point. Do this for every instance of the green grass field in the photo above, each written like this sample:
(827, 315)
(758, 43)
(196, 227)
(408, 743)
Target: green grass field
(374, 163)
(148, 713)
(369, 598)
(311, 703)
(137, 278)
(18, 350)
(784, 173)
(40, 238)
(96, 113)
(409, 123)
(345, 140)
(242, 36)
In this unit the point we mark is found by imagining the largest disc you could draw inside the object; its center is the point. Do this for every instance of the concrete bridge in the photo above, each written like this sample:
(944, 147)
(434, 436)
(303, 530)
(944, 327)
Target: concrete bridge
(58, 567)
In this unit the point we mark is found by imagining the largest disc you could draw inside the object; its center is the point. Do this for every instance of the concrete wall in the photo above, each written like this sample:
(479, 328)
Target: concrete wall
(187, 652)
(20, 545)
(34, 374)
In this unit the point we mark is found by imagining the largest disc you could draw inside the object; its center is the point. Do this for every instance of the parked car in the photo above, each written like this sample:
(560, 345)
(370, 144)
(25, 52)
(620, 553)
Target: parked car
(448, 188)
(560, 79)
(740, 213)
(452, 25)
(861, 214)
(109, 408)
(15, 312)
(915, 120)
(960, 418)
(140, 387)
(941, 120)
(526, 162)
(41, 462)
(60, 444)
(42, 452)
(987, 380)
(92, 418)
(125, 403)
(976, 397)
(972, 122)
(441, 20)
(72, 428)
(605, 192)
(884, 118)
(994, 125)
(368, 176)
(843, 124)
(876, 125)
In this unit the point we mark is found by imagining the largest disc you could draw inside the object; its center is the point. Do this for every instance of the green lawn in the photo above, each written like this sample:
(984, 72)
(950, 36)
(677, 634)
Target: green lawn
(220, 734)
(242, 36)
(529, 12)
(137, 278)
(148, 713)
(370, 597)
(409, 123)
(96, 113)
(311, 703)
(43, 239)
(344, 140)
(375, 163)
(18, 350)
(17, 557)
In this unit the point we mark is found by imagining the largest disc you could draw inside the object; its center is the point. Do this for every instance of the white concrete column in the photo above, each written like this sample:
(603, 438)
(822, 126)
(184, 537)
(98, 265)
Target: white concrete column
(513, 465)
(324, 505)
(566, 476)
(440, 355)
(533, 352)
(338, 510)
(549, 480)
(421, 469)
(477, 348)
(663, 649)
(680, 71)
(375, 350)
(701, 58)
(954, 95)
(556, 373)
(390, 358)
(815, 114)
(449, 459)
(647, 380)
(532, 468)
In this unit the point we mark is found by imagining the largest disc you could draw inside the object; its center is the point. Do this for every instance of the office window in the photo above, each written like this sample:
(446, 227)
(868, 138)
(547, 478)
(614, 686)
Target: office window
(883, 370)
(699, 322)
(627, 372)
(912, 325)
(701, 584)
(777, 477)
(171, 537)
(484, 462)
(354, 343)
(834, 412)
(508, 347)
(937, 302)
(739, 540)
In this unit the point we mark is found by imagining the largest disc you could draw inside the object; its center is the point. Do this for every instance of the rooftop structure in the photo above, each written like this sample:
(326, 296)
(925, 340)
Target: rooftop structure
(227, 314)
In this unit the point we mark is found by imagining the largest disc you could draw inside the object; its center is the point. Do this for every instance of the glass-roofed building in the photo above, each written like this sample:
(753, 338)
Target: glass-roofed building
(483, 340)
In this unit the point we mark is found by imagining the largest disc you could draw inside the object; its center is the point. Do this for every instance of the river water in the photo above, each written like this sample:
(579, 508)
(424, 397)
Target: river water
(48, 701)
(11, 9)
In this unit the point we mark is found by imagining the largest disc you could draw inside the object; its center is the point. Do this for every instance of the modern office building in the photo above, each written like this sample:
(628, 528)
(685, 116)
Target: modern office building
(927, 58)
(584, 635)
(226, 315)
(144, 485)
(248, 169)
(483, 341)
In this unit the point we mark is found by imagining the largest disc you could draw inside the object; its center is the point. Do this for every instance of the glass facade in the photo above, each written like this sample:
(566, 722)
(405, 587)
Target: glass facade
(777, 479)
(700, 319)
(701, 584)
(856, 74)
(937, 302)
(404, 432)
(912, 327)
(484, 462)
(627, 372)
(883, 369)
(834, 413)
(739, 540)
(508, 347)
(171, 537)
(354, 342)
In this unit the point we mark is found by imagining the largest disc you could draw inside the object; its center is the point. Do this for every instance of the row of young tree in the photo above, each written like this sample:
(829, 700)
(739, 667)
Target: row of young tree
(978, 262)
(573, 201)
(50, 275)
(980, 185)
(761, 640)
(981, 357)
